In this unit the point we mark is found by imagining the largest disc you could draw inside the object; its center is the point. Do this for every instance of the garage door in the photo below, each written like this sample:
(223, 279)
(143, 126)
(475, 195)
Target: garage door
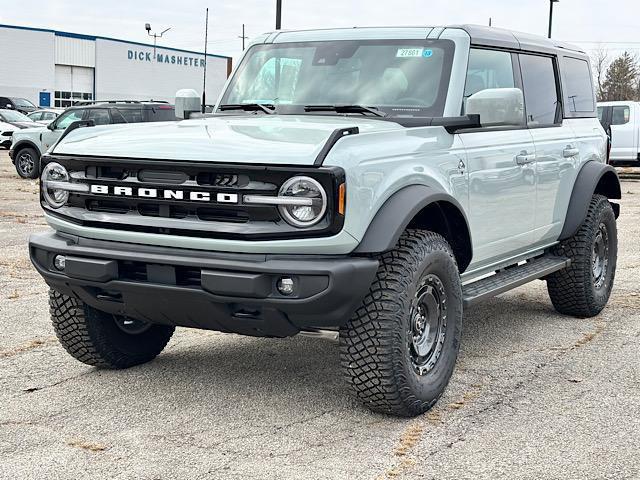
(73, 84)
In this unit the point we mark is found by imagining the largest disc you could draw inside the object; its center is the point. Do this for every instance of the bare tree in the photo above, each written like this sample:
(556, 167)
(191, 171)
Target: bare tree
(600, 62)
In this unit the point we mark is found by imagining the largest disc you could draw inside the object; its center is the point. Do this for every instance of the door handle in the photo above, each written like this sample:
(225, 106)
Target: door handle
(524, 158)
(570, 152)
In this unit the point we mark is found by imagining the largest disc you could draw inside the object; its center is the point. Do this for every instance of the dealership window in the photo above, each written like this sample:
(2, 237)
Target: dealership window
(67, 99)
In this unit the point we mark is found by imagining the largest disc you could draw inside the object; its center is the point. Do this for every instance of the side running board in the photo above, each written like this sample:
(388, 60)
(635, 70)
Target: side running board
(509, 278)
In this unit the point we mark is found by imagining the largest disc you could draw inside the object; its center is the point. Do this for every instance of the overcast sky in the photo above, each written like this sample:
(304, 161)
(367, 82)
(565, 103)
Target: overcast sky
(612, 24)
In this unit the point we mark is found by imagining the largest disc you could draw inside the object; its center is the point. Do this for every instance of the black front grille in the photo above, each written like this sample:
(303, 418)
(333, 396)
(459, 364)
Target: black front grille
(172, 210)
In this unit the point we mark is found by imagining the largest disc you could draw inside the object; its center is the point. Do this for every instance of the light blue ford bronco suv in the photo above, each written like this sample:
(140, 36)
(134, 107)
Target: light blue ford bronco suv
(367, 183)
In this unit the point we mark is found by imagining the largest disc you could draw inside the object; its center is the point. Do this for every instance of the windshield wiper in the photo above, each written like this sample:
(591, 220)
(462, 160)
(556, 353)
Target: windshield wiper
(344, 109)
(249, 107)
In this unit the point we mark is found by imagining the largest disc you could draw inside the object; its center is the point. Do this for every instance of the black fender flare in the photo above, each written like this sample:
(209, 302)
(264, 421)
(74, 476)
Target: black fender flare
(25, 143)
(398, 211)
(593, 177)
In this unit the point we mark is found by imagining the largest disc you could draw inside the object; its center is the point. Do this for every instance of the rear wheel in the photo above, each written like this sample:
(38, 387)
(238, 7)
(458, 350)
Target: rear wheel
(27, 162)
(583, 288)
(103, 340)
(399, 349)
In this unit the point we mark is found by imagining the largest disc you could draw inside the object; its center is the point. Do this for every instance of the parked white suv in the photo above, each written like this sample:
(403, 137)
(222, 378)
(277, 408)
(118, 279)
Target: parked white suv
(621, 120)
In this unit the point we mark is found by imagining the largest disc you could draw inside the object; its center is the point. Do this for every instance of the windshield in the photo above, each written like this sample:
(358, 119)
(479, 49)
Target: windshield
(22, 102)
(13, 116)
(398, 77)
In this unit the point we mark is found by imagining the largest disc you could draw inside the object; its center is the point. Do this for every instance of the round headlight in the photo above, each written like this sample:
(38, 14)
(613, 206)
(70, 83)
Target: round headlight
(52, 173)
(304, 188)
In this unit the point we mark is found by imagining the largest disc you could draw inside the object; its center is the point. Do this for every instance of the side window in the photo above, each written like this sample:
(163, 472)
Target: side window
(116, 117)
(540, 90)
(67, 118)
(600, 113)
(491, 89)
(131, 115)
(620, 115)
(100, 116)
(578, 87)
(48, 116)
(35, 116)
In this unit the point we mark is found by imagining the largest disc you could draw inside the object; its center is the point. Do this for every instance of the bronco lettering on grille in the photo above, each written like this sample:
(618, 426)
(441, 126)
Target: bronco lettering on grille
(165, 194)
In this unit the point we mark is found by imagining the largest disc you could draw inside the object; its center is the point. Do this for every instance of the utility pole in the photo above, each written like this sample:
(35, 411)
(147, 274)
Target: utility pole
(204, 76)
(551, 2)
(243, 37)
(278, 14)
(147, 27)
(489, 21)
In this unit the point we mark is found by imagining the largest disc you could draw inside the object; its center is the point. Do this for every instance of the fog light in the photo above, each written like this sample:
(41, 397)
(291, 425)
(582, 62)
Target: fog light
(285, 285)
(59, 261)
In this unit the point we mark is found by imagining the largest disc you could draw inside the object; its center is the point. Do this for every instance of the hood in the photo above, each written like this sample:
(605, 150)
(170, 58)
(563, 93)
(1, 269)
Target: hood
(25, 124)
(277, 139)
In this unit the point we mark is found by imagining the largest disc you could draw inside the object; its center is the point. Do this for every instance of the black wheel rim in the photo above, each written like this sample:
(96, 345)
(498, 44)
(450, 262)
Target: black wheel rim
(25, 164)
(600, 256)
(131, 325)
(427, 324)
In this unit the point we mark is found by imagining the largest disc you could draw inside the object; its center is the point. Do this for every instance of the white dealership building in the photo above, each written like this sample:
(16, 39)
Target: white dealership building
(52, 68)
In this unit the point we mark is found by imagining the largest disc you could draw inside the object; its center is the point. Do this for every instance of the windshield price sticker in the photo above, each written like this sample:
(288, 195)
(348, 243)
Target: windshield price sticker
(414, 52)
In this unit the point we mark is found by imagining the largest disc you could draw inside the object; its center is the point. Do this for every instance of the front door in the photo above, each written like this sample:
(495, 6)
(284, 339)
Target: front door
(50, 137)
(501, 168)
(623, 134)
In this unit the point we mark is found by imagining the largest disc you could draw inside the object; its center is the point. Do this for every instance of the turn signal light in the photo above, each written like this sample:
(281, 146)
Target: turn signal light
(341, 198)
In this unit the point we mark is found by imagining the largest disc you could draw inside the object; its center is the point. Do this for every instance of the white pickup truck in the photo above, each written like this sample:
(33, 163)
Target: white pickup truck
(621, 120)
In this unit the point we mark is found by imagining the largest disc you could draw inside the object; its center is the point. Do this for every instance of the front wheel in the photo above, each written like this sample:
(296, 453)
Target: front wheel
(27, 163)
(399, 349)
(583, 288)
(102, 340)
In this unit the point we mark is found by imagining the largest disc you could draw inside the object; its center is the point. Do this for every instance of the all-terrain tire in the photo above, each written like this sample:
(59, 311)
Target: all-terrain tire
(94, 338)
(27, 162)
(577, 290)
(376, 343)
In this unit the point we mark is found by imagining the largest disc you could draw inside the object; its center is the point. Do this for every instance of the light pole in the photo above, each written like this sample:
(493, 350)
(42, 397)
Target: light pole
(551, 2)
(147, 27)
(243, 37)
(278, 14)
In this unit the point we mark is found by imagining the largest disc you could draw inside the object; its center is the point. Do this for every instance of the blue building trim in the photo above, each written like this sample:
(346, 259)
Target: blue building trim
(95, 37)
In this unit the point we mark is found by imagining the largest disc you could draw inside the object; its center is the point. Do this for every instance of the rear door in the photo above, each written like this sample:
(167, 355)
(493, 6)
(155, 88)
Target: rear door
(623, 133)
(501, 167)
(557, 155)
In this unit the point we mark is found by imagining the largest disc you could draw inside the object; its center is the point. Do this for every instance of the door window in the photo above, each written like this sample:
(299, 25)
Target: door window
(620, 115)
(35, 116)
(540, 90)
(488, 69)
(577, 85)
(68, 118)
(48, 116)
(100, 116)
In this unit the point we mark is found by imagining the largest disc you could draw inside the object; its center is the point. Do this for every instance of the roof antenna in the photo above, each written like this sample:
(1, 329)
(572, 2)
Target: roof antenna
(204, 76)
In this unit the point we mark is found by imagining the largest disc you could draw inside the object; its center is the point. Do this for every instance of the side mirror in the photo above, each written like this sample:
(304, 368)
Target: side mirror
(187, 102)
(52, 126)
(497, 106)
(9, 106)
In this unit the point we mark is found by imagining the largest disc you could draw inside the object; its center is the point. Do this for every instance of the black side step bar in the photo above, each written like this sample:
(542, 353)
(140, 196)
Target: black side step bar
(513, 277)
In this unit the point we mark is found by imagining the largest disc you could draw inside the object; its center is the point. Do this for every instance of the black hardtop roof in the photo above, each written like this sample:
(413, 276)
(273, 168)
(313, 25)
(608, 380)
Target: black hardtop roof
(120, 104)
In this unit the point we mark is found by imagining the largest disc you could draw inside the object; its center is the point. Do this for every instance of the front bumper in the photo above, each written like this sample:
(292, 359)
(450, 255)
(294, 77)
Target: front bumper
(227, 292)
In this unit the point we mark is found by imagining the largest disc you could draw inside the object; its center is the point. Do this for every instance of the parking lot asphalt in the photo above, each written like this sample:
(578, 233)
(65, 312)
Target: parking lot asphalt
(534, 395)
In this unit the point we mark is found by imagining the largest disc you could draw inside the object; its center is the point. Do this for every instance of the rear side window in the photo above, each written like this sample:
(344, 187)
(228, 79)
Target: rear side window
(577, 85)
(540, 90)
(162, 113)
(131, 115)
(100, 116)
(620, 115)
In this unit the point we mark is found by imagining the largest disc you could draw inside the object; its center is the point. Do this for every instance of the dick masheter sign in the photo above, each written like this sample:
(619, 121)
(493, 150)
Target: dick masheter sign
(142, 56)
